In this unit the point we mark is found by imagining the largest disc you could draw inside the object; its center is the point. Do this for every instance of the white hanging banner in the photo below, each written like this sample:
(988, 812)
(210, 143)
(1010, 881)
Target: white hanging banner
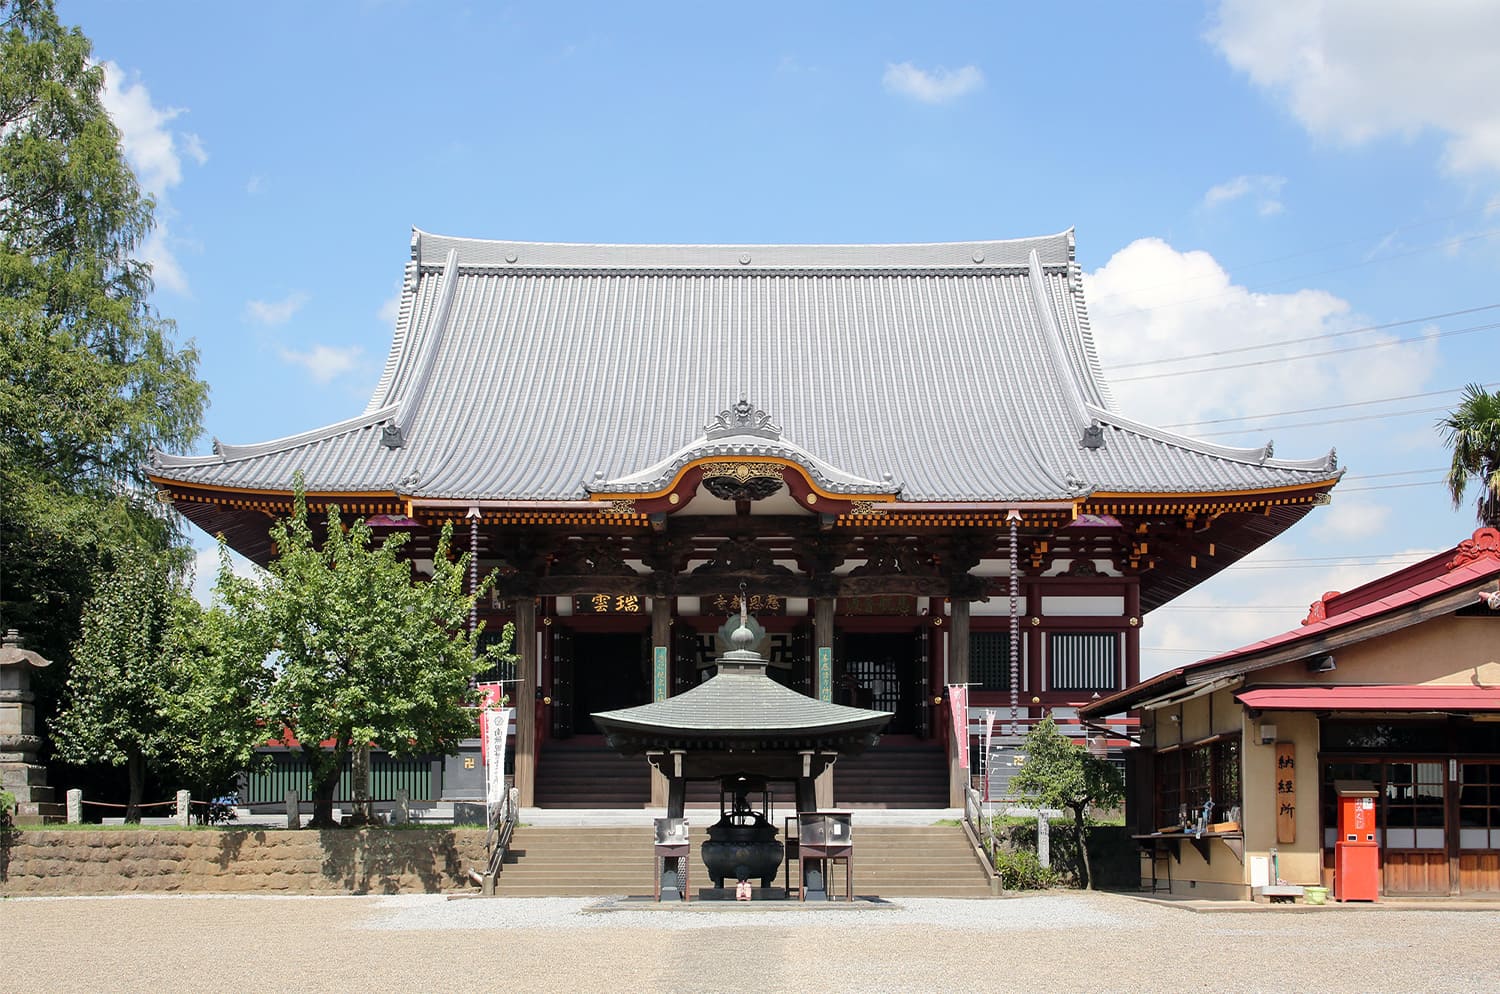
(958, 702)
(496, 731)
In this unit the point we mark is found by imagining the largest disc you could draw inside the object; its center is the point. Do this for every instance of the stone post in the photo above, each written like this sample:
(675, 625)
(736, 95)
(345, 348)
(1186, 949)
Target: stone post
(293, 810)
(184, 807)
(401, 813)
(1043, 838)
(75, 807)
(360, 782)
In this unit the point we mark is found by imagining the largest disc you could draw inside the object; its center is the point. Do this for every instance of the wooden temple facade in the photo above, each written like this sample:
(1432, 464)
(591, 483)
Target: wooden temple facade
(906, 455)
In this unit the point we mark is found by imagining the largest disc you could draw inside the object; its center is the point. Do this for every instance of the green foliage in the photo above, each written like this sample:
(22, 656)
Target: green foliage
(1059, 774)
(118, 684)
(1021, 869)
(361, 653)
(218, 706)
(1472, 431)
(7, 807)
(92, 380)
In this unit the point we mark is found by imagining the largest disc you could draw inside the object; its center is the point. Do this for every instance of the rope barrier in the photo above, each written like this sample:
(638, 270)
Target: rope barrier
(144, 804)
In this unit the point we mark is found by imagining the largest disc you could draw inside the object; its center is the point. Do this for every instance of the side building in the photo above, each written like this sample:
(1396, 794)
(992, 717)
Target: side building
(1390, 691)
(906, 455)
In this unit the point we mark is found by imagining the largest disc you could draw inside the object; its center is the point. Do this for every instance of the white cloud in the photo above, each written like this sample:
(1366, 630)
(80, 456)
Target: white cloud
(390, 309)
(253, 185)
(166, 271)
(1353, 520)
(154, 153)
(931, 86)
(324, 362)
(274, 312)
(1355, 70)
(1250, 601)
(1264, 190)
(1151, 302)
(206, 572)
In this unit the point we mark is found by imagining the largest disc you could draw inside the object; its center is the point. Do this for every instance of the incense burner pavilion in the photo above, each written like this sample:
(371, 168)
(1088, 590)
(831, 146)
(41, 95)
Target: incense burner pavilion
(907, 453)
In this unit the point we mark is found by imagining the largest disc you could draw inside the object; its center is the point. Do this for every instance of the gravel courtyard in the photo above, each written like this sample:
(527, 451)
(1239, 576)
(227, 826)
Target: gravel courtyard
(1072, 942)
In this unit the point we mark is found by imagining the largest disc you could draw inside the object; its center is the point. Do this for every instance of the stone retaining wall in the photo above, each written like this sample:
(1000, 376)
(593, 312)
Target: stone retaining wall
(347, 861)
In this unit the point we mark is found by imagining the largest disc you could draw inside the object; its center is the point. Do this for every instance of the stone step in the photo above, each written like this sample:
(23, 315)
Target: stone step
(889, 860)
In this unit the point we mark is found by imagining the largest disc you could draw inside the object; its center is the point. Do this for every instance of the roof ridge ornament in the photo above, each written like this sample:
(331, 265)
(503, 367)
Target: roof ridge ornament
(1485, 544)
(744, 418)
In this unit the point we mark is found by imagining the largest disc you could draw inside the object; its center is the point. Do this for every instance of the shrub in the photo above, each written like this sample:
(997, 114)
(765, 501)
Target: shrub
(1020, 869)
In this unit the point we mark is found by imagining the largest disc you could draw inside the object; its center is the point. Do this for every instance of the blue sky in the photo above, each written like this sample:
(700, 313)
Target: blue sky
(1244, 173)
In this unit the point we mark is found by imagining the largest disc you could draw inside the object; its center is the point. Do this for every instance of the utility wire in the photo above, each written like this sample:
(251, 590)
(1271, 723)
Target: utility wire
(1415, 339)
(1322, 421)
(1326, 407)
(1304, 338)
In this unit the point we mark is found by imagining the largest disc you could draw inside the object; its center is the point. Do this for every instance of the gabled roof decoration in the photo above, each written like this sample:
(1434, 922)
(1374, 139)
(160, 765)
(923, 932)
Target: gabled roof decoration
(960, 371)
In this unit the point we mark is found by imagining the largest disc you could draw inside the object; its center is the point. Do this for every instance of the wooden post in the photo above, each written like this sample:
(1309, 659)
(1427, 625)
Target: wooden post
(823, 681)
(1133, 633)
(526, 701)
(958, 673)
(661, 647)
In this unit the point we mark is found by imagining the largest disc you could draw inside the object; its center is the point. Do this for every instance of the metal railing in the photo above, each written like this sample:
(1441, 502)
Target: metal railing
(503, 817)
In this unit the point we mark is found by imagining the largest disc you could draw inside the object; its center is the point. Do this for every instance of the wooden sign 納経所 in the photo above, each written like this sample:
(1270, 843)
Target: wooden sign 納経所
(1286, 792)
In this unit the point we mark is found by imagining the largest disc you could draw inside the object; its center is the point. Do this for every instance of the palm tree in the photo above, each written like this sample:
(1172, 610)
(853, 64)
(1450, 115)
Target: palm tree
(1473, 433)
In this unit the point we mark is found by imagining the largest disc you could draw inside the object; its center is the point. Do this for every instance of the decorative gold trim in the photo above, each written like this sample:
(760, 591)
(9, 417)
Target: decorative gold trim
(622, 507)
(742, 471)
(866, 507)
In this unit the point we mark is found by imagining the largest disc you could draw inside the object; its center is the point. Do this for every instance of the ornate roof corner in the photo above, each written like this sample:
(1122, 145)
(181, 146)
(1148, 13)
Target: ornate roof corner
(1093, 436)
(1333, 460)
(392, 437)
(1485, 544)
(1268, 451)
(742, 419)
(219, 450)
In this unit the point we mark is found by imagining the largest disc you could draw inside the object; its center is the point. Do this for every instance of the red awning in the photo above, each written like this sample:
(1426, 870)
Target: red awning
(1390, 697)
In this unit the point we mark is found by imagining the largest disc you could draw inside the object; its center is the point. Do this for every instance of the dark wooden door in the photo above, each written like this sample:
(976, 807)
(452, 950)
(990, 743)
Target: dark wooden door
(562, 682)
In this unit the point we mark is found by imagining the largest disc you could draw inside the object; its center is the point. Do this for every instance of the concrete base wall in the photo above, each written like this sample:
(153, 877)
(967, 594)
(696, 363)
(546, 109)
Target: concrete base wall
(365, 861)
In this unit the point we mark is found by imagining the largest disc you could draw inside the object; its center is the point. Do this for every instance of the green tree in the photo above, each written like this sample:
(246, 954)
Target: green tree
(1060, 774)
(362, 653)
(118, 684)
(1473, 433)
(92, 379)
(217, 705)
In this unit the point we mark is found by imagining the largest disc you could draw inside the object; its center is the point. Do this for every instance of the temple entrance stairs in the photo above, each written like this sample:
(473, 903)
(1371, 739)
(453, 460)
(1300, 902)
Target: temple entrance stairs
(585, 773)
(587, 861)
(900, 772)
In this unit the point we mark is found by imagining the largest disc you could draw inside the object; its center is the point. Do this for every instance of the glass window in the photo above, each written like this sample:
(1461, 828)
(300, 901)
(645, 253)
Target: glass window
(1479, 806)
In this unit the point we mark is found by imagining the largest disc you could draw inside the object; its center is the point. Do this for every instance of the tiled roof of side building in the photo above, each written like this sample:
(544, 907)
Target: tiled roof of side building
(954, 371)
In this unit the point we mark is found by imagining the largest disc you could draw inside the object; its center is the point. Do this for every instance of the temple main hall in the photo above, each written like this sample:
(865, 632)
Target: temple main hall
(907, 456)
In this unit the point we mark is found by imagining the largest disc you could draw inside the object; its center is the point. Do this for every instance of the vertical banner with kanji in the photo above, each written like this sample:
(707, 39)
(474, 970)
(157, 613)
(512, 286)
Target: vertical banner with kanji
(659, 674)
(958, 703)
(496, 730)
(1286, 792)
(825, 674)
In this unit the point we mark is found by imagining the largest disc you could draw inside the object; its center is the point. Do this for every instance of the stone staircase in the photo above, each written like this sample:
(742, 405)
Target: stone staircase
(890, 861)
(893, 775)
(588, 775)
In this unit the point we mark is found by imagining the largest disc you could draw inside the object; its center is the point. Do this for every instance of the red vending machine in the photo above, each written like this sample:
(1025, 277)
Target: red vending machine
(1356, 851)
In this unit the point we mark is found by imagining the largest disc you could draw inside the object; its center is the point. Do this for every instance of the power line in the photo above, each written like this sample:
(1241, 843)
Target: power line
(1402, 472)
(1305, 338)
(1326, 407)
(1392, 486)
(1415, 339)
(1323, 421)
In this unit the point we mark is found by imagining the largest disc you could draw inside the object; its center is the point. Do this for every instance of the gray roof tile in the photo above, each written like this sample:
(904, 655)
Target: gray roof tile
(961, 379)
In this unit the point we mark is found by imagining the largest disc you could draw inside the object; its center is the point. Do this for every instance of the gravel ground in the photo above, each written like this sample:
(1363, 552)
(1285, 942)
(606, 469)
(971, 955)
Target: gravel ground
(1085, 942)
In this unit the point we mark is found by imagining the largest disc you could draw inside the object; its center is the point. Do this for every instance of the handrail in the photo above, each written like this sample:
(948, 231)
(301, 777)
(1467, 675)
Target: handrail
(497, 840)
(981, 833)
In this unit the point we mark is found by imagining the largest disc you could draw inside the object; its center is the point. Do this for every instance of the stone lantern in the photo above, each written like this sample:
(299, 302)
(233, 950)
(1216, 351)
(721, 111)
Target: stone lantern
(21, 772)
